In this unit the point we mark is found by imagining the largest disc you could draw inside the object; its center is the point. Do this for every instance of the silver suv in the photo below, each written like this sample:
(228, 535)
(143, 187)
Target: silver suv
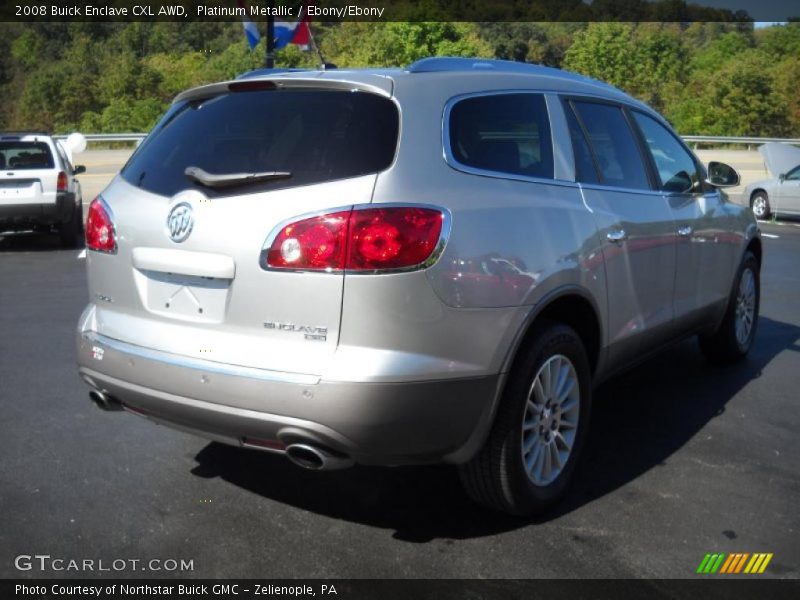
(404, 266)
(38, 189)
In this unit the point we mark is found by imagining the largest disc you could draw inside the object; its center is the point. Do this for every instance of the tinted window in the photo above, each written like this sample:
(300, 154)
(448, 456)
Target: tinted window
(794, 174)
(614, 145)
(585, 171)
(22, 156)
(508, 133)
(677, 171)
(315, 135)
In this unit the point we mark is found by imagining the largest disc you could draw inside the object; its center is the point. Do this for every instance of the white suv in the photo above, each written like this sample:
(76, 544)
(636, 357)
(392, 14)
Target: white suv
(38, 189)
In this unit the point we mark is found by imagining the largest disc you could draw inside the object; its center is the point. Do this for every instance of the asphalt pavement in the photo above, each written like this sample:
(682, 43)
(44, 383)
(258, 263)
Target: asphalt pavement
(682, 459)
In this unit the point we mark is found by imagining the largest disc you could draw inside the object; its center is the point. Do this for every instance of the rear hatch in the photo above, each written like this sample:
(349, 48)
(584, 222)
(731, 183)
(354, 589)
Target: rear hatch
(186, 277)
(27, 173)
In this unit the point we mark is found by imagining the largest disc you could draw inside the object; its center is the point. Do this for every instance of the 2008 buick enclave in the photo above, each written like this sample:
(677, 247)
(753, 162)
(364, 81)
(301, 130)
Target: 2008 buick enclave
(400, 266)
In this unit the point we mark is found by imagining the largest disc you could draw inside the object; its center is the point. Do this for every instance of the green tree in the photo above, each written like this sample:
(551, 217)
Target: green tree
(388, 44)
(641, 60)
(740, 98)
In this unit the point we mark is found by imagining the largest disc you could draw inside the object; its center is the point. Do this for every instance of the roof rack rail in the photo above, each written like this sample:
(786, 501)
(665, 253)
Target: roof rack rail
(441, 64)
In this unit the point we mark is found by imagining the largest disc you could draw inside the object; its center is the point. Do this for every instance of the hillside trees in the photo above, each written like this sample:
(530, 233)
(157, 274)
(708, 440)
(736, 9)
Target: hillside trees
(708, 78)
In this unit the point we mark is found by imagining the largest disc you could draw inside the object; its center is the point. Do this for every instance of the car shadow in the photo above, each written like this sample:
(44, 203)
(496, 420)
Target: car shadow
(639, 420)
(34, 242)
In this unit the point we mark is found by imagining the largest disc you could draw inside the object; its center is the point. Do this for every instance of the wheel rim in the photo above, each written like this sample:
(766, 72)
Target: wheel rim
(550, 422)
(759, 206)
(745, 307)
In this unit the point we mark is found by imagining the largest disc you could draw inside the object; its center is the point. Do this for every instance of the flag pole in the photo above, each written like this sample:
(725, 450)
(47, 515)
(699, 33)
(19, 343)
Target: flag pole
(316, 47)
(269, 61)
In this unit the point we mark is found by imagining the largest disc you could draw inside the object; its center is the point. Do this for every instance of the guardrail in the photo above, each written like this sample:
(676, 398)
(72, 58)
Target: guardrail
(744, 141)
(109, 137)
(689, 139)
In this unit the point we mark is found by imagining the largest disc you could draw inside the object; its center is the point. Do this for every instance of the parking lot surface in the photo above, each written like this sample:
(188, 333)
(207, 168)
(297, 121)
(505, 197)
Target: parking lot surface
(682, 459)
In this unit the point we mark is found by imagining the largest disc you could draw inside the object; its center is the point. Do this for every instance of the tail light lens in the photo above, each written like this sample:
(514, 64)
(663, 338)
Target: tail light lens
(62, 183)
(100, 233)
(369, 239)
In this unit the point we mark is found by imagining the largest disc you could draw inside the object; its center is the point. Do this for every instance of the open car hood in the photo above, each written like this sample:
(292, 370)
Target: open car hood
(780, 158)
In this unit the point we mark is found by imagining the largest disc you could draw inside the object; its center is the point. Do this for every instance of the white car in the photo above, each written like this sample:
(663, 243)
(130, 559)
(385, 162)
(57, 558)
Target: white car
(781, 194)
(38, 188)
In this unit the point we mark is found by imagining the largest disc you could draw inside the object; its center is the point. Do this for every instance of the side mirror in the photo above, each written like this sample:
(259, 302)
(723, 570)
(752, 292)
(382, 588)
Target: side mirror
(78, 170)
(721, 175)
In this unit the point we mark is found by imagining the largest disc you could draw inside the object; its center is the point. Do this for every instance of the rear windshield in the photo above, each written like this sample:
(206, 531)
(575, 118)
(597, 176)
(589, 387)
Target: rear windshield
(315, 135)
(22, 156)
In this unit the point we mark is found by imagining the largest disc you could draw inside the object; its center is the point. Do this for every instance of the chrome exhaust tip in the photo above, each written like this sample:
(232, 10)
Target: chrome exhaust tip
(317, 459)
(104, 401)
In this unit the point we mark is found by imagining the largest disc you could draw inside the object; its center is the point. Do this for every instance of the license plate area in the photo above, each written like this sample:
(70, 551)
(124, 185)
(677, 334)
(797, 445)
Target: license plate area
(186, 297)
(17, 189)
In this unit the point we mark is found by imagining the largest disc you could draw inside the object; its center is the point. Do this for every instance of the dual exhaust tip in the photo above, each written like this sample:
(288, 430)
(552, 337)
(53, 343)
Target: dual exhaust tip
(104, 401)
(305, 455)
(317, 458)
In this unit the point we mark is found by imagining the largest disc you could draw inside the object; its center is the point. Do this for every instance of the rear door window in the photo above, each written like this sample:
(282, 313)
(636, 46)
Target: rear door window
(316, 135)
(615, 148)
(502, 133)
(22, 156)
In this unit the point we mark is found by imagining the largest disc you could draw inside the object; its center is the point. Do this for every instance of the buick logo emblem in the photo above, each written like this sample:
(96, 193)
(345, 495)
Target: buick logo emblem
(180, 222)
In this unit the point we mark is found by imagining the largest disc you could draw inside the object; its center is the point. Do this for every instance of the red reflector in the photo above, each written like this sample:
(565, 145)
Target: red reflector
(100, 234)
(62, 183)
(259, 443)
(370, 239)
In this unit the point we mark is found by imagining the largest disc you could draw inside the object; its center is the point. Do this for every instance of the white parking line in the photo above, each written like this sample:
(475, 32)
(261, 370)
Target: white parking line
(770, 235)
(82, 254)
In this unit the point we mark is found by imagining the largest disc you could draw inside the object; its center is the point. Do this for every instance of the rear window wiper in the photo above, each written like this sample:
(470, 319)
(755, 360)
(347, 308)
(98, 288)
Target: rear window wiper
(225, 180)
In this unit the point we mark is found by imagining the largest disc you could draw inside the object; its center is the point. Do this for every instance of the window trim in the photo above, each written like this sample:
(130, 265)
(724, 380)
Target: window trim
(454, 163)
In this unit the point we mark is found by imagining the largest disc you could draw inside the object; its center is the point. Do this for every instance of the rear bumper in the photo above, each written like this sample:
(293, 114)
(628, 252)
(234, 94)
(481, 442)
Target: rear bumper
(42, 213)
(374, 423)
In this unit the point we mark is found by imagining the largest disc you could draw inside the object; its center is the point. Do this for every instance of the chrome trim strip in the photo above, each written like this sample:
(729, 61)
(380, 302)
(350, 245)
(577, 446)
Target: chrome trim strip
(199, 363)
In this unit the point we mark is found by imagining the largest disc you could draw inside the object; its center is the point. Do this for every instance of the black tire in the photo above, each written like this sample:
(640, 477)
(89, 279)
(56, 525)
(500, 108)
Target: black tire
(497, 477)
(723, 346)
(71, 232)
(759, 204)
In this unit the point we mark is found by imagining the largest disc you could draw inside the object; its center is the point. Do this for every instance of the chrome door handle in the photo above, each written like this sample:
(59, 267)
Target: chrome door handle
(685, 231)
(617, 236)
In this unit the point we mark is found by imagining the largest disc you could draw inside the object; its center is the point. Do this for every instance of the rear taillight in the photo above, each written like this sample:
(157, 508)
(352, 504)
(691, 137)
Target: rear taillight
(100, 233)
(62, 183)
(363, 239)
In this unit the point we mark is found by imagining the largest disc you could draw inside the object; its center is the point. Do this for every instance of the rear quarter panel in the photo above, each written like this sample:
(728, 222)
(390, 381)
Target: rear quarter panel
(512, 244)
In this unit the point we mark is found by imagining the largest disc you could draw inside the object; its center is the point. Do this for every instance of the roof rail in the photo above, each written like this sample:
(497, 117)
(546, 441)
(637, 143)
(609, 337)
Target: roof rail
(441, 64)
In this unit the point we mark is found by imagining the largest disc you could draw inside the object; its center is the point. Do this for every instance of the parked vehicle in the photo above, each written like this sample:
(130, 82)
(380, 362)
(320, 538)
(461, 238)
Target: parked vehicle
(405, 266)
(38, 188)
(781, 194)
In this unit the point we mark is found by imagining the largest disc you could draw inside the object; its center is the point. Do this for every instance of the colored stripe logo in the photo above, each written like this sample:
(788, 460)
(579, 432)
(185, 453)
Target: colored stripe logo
(734, 563)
